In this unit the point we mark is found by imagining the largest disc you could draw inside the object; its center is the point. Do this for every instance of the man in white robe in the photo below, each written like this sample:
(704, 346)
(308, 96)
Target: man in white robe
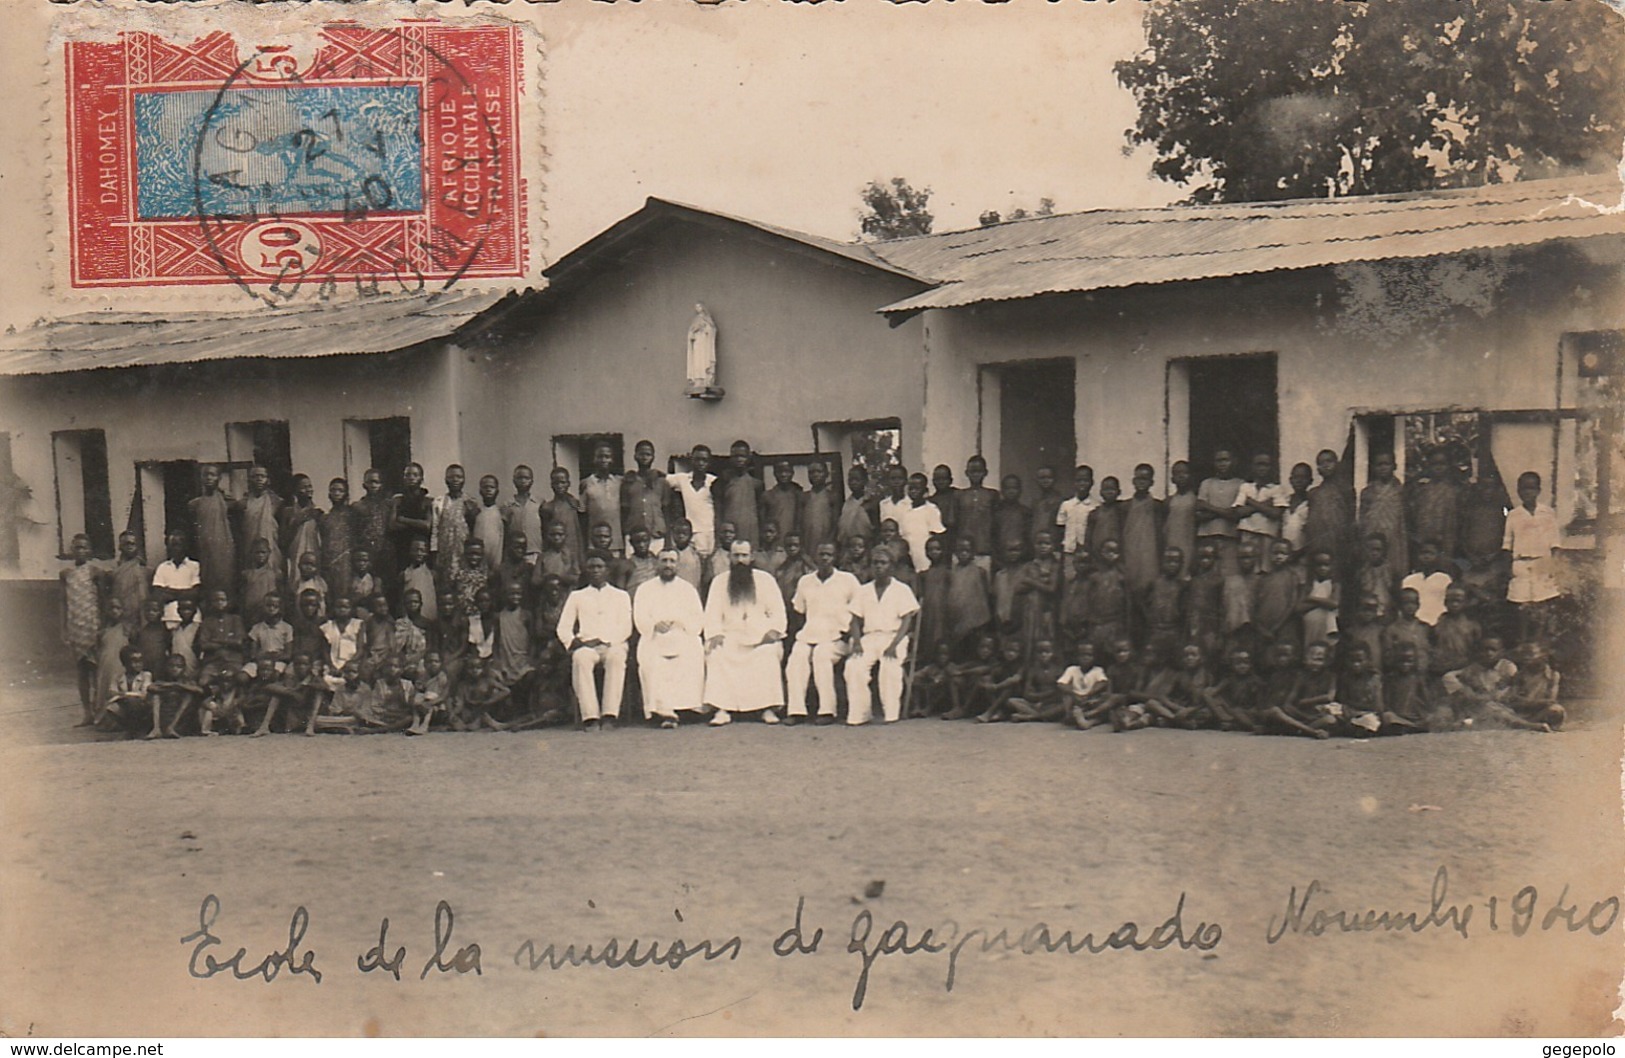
(744, 630)
(671, 656)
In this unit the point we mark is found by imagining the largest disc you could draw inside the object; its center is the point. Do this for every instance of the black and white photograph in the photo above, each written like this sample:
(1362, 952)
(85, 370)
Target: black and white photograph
(775, 519)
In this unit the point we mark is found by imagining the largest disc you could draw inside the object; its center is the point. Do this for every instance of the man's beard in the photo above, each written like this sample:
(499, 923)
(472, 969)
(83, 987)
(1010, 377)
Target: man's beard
(741, 584)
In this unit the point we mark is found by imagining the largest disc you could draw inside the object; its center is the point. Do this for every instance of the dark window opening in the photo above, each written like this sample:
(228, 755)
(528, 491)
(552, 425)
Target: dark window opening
(84, 501)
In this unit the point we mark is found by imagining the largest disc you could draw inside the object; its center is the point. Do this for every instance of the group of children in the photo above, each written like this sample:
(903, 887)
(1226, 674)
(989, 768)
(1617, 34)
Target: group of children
(1238, 604)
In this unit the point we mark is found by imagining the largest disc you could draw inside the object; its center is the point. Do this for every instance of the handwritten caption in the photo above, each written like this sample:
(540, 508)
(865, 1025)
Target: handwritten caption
(1308, 914)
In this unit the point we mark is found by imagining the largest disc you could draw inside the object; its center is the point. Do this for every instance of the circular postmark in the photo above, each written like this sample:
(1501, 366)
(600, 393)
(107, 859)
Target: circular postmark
(377, 165)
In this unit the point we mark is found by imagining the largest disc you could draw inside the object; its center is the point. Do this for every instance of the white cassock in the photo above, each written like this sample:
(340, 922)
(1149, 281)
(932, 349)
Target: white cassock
(741, 677)
(670, 663)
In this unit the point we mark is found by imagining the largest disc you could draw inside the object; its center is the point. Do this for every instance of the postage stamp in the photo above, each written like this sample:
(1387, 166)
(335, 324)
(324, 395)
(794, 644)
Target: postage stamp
(385, 155)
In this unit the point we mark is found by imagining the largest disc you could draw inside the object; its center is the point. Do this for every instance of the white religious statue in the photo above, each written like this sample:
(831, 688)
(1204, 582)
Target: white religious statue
(702, 356)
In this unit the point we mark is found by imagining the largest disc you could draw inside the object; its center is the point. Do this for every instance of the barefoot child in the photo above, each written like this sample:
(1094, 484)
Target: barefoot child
(292, 694)
(1359, 691)
(1534, 690)
(221, 643)
(172, 698)
(928, 691)
(1230, 702)
(128, 704)
(312, 581)
(1407, 629)
(1040, 697)
(965, 678)
(432, 695)
(260, 578)
(1002, 683)
(1086, 689)
(1163, 610)
(1279, 712)
(82, 623)
(345, 637)
(1408, 702)
(110, 644)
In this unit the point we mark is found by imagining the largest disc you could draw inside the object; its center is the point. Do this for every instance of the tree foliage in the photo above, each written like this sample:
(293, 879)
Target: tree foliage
(1246, 100)
(895, 210)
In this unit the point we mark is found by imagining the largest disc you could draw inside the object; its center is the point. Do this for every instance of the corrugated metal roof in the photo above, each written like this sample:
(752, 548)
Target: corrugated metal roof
(656, 210)
(105, 340)
(1118, 248)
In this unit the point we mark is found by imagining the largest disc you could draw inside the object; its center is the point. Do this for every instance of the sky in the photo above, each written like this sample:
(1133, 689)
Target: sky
(776, 111)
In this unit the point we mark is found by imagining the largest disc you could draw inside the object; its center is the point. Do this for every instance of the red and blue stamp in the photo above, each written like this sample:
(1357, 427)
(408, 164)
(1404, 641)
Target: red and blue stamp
(389, 158)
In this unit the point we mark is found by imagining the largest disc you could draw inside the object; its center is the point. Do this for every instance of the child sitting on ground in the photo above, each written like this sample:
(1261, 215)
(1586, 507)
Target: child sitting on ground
(1407, 630)
(1002, 683)
(1181, 695)
(484, 695)
(290, 695)
(1315, 700)
(1409, 703)
(432, 695)
(1534, 690)
(966, 678)
(1229, 703)
(172, 698)
(128, 705)
(1359, 691)
(1086, 688)
(1040, 697)
(928, 693)
(1278, 711)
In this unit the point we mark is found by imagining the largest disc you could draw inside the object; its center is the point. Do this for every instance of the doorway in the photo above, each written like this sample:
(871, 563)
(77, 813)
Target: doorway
(1037, 421)
(265, 444)
(162, 492)
(1233, 405)
(384, 445)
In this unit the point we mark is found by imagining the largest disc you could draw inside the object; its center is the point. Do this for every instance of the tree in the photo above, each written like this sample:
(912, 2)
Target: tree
(1246, 100)
(1046, 208)
(895, 211)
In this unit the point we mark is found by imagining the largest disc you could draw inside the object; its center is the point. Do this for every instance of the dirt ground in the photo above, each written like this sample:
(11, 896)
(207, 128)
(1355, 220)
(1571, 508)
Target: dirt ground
(109, 848)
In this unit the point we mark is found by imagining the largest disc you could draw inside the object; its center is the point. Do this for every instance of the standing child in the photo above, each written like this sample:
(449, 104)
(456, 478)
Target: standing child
(1216, 512)
(645, 497)
(1330, 524)
(1163, 612)
(1295, 519)
(183, 640)
(1108, 600)
(1046, 507)
(1179, 510)
(131, 580)
(452, 519)
(417, 576)
(111, 642)
(378, 630)
(601, 495)
(1143, 519)
(82, 623)
(1262, 502)
(740, 494)
(1532, 539)
(511, 649)
(474, 576)
(221, 640)
(973, 511)
(1073, 514)
(783, 502)
(967, 611)
(1038, 588)
(258, 513)
(260, 578)
(1005, 580)
(339, 534)
(375, 513)
(1106, 520)
(694, 500)
(934, 584)
(1240, 591)
(1382, 513)
(859, 516)
(1317, 610)
(522, 515)
(299, 524)
(1276, 597)
(211, 535)
(716, 563)
(307, 623)
(556, 557)
(770, 556)
(820, 509)
(489, 525)
(690, 563)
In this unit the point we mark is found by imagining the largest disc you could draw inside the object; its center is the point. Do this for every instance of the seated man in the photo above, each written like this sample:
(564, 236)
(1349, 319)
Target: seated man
(594, 628)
